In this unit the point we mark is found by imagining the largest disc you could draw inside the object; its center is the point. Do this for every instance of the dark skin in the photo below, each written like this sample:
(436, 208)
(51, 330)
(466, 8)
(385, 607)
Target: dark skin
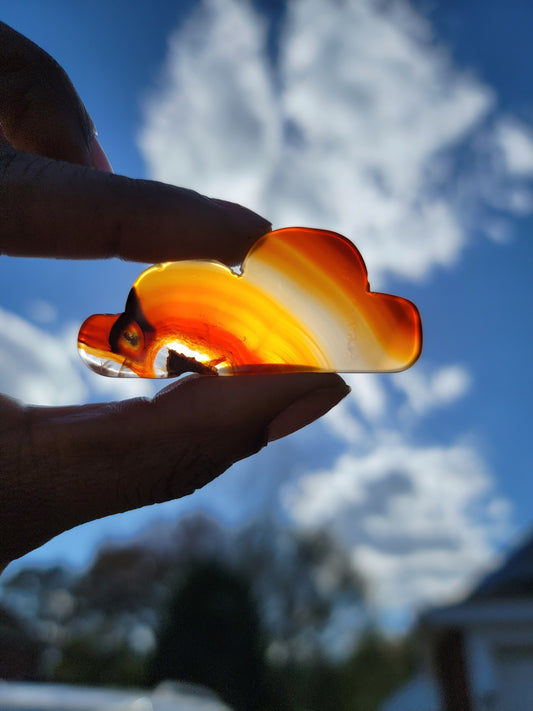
(63, 466)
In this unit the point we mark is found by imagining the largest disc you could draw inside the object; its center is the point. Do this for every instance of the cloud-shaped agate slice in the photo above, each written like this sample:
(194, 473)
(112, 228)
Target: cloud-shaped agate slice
(301, 303)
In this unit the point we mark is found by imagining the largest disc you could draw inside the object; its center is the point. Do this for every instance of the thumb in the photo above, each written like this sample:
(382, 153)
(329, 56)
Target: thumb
(65, 466)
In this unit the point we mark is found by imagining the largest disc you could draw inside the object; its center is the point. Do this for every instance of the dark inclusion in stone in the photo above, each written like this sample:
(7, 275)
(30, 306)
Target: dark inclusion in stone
(177, 364)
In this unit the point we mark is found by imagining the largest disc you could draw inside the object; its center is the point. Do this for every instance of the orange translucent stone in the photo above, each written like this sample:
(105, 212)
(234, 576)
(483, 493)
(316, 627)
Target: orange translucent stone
(301, 303)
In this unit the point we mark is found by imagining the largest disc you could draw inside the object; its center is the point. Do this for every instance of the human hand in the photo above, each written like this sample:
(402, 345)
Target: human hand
(63, 466)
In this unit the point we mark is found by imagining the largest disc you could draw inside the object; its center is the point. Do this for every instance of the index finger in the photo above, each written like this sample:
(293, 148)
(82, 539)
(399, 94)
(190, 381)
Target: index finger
(53, 208)
(52, 204)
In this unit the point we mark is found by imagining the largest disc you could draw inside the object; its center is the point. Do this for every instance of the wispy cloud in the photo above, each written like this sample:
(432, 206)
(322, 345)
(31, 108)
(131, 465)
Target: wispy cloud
(419, 519)
(358, 125)
(424, 391)
(355, 127)
(516, 142)
(37, 367)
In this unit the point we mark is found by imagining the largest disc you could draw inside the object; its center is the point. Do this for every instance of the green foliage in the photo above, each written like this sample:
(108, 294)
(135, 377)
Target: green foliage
(376, 667)
(212, 636)
(359, 683)
(85, 662)
(259, 616)
(308, 686)
(19, 650)
(301, 581)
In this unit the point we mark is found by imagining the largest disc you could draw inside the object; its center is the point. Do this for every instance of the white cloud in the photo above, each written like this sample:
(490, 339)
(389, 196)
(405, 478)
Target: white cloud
(516, 143)
(37, 367)
(355, 127)
(214, 125)
(425, 392)
(361, 125)
(419, 520)
(42, 311)
(369, 393)
(498, 231)
(520, 201)
(342, 423)
(371, 404)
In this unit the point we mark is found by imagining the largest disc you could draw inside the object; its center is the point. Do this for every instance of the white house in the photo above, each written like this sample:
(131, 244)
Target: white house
(479, 652)
(418, 694)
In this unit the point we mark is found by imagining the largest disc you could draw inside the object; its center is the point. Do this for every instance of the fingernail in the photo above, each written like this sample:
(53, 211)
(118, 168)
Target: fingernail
(243, 214)
(305, 410)
(98, 158)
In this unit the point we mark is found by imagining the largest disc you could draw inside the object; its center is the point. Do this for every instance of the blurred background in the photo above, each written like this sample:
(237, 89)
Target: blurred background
(338, 563)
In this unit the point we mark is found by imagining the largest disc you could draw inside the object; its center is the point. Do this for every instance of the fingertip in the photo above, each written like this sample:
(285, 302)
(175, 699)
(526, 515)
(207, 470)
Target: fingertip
(97, 156)
(278, 405)
(251, 221)
(306, 409)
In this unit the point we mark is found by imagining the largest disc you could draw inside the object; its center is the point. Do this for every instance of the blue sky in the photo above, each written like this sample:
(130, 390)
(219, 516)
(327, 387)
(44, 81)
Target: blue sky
(408, 127)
